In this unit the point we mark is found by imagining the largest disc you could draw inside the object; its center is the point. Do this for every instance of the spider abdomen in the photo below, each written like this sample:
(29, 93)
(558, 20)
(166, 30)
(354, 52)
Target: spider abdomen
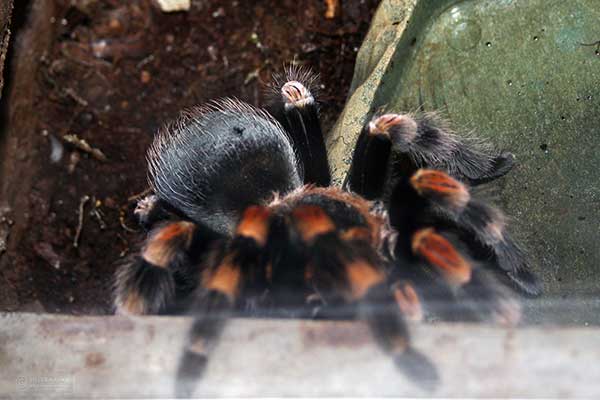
(214, 162)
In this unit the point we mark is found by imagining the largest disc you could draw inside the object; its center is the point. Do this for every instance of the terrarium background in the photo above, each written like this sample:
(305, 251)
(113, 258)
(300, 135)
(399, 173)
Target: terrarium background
(61, 80)
(523, 74)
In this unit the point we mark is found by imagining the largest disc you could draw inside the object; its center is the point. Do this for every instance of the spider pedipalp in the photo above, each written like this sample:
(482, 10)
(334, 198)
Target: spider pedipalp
(292, 103)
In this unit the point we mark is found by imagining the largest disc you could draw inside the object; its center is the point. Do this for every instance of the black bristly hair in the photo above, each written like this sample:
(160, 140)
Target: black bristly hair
(368, 174)
(217, 160)
(242, 221)
(291, 100)
(408, 143)
(434, 198)
(161, 278)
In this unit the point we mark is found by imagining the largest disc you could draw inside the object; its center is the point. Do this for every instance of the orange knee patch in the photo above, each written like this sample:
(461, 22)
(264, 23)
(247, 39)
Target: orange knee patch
(161, 247)
(312, 221)
(225, 278)
(357, 233)
(440, 253)
(181, 228)
(362, 276)
(429, 182)
(255, 224)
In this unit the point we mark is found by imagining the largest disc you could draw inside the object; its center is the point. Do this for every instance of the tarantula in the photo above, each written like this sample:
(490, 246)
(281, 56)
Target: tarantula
(243, 220)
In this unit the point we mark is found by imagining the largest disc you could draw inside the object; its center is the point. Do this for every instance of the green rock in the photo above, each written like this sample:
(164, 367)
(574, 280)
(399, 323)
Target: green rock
(524, 74)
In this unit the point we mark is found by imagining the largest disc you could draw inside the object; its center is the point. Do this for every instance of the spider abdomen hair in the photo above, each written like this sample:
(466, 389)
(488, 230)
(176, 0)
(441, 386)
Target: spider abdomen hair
(215, 161)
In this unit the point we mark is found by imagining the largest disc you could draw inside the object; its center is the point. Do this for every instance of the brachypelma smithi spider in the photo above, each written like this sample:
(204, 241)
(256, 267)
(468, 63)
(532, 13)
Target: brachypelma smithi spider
(243, 221)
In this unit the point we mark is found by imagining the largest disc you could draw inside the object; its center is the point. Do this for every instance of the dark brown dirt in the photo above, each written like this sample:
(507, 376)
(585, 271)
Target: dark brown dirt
(5, 14)
(112, 75)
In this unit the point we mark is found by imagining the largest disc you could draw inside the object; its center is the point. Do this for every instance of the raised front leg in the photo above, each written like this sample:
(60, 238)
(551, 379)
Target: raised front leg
(294, 106)
(396, 145)
(370, 161)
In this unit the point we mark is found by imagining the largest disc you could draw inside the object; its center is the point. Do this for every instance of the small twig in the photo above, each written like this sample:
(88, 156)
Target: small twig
(78, 99)
(82, 202)
(251, 76)
(139, 195)
(98, 214)
(122, 222)
(145, 61)
(84, 146)
(123, 252)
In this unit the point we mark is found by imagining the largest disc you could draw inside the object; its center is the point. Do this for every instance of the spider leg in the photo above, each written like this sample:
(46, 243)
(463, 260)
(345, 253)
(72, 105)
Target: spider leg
(353, 270)
(220, 288)
(153, 281)
(425, 142)
(475, 289)
(452, 285)
(368, 172)
(295, 109)
(436, 270)
(214, 309)
(473, 219)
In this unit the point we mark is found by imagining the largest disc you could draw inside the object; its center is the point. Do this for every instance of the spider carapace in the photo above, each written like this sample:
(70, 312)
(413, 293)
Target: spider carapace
(243, 220)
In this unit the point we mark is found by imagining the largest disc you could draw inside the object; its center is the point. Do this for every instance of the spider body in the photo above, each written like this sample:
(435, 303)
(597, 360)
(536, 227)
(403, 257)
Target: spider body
(243, 222)
(236, 156)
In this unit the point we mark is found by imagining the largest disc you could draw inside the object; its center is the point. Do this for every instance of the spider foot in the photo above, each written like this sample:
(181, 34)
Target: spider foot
(150, 210)
(418, 368)
(500, 166)
(213, 309)
(408, 300)
(369, 168)
(296, 95)
(397, 127)
(143, 288)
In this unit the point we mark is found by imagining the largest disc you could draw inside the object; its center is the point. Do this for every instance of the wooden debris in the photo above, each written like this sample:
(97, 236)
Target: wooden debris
(97, 212)
(173, 5)
(137, 196)
(46, 252)
(82, 202)
(84, 146)
(123, 224)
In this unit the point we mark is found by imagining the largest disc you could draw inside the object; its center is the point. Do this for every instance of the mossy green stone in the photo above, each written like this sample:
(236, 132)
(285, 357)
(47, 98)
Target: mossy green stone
(524, 74)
